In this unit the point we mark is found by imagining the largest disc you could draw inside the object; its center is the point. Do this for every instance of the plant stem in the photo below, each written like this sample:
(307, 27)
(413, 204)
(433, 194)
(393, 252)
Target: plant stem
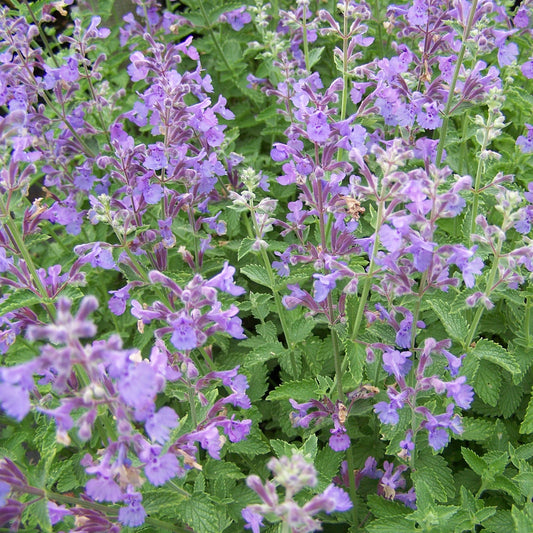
(479, 172)
(19, 243)
(41, 33)
(444, 127)
(214, 39)
(368, 278)
(277, 299)
(489, 285)
(305, 43)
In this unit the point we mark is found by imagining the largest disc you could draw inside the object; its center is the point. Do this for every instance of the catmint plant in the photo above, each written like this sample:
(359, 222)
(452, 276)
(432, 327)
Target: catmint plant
(292, 234)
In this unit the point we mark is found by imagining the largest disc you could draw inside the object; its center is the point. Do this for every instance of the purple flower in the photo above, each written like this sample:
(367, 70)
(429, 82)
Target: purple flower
(428, 117)
(417, 14)
(224, 281)
(159, 469)
(526, 143)
(236, 430)
(117, 303)
(324, 284)
(156, 158)
(15, 400)
(387, 414)
(397, 363)
(339, 440)
(318, 129)
(57, 512)
(184, 336)
(103, 489)
(5, 488)
(521, 19)
(209, 439)
(253, 520)
(527, 69)
(139, 386)
(158, 426)
(237, 18)
(134, 514)
(462, 393)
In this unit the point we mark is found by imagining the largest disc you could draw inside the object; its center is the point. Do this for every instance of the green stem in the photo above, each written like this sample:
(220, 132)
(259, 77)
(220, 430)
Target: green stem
(479, 173)
(214, 39)
(277, 298)
(527, 317)
(112, 512)
(42, 34)
(345, 38)
(19, 243)
(444, 127)
(368, 278)
(352, 488)
(488, 287)
(305, 43)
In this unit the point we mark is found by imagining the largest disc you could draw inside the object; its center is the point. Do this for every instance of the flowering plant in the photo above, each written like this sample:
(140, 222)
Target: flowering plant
(285, 241)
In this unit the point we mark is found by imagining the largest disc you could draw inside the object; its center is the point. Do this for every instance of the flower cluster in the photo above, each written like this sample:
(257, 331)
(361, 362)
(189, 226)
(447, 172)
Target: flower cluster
(293, 474)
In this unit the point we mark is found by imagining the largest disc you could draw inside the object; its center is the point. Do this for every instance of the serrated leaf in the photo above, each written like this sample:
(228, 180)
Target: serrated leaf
(493, 352)
(291, 362)
(314, 56)
(383, 508)
(391, 525)
(432, 472)
(257, 273)
(251, 446)
(202, 515)
(525, 482)
(267, 331)
(300, 329)
(527, 424)
(327, 463)
(475, 462)
(357, 356)
(487, 383)
(455, 324)
(523, 452)
(476, 429)
(245, 248)
(521, 520)
(19, 298)
(301, 391)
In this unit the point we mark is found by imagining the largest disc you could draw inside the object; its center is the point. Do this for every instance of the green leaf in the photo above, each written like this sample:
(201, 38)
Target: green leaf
(525, 482)
(527, 424)
(476, 429)
(357, 356)
(391, 525)
(523, 452)
(232, 51)
(245, 248)
(432, 471)
(493, 352)
(327, 463)
(521, 520)
(301, 391)
(202, 515)
(251, 446)
(300, 329)
(488, 382)
(257, 273)
(475, 462)
(455, 324)
(315, 55)
(267, 331)
(383, 508)
(20, 298)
